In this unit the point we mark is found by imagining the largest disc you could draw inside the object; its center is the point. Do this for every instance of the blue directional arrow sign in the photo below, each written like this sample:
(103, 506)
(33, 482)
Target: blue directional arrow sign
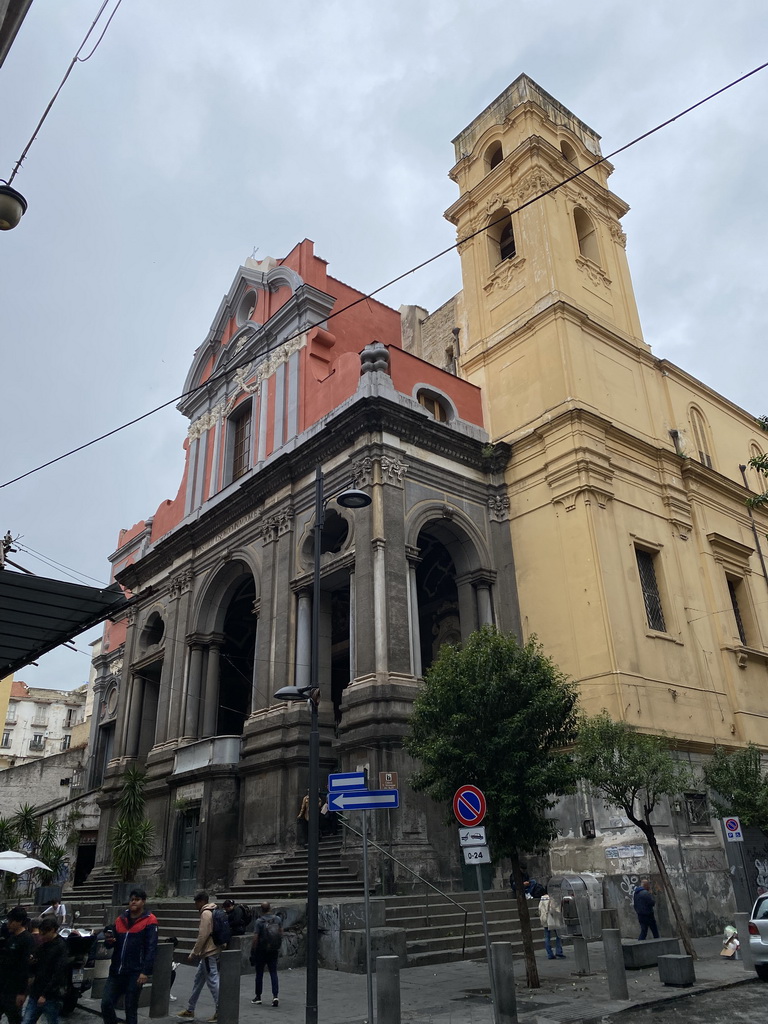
(363, 799)
(344, 781)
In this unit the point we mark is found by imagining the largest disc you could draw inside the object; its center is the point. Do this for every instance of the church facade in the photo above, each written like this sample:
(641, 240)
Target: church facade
(531, 464)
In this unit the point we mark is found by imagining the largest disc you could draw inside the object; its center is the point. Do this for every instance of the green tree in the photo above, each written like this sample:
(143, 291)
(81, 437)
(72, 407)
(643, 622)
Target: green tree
(634, 771)
(51, 850)
(132, 834)
(760, 463)
(497, 714)
(740, 784)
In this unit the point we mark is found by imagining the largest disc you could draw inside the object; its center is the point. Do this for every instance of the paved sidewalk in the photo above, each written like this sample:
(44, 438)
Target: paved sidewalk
(458, 993)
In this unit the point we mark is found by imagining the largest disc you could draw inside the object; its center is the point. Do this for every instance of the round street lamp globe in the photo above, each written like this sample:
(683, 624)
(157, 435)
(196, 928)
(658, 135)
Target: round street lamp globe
(13, 206)
(353, 498)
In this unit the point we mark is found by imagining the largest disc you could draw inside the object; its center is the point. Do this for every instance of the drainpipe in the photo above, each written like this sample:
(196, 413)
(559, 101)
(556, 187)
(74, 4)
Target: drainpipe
(754, 527)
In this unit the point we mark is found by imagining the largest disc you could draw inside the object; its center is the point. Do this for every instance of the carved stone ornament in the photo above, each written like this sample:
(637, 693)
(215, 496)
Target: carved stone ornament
(503, 273)
(131, 615)
(595, 274)
(180, 583)
(498, 508)
(277, 525)
(392, 470)
(362, 472)
(618, 235)
(374, 358)
(589, 495)
(496, 201)
(534, 183)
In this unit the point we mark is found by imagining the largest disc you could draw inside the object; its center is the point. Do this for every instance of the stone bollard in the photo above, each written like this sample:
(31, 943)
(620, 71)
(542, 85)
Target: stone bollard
(228, 1010)
(504, 983)
(742, 927)
(159, 998)
(388, 989)
(581, 954)
(609, 917)
(614, 964)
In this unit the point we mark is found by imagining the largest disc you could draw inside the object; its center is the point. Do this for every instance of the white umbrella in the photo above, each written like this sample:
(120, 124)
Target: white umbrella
(18, 863)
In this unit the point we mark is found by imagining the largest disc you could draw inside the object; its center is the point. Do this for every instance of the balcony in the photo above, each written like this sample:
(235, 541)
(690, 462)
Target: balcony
(216, 750)
(37, 745)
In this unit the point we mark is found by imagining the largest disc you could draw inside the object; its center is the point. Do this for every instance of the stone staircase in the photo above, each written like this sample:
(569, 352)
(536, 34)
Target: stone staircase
(435, 930)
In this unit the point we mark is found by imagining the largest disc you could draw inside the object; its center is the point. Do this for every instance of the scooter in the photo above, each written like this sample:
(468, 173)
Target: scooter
(81, 946)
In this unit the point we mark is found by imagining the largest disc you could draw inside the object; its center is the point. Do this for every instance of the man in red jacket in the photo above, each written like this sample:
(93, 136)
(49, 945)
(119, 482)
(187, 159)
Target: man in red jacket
(133, 958)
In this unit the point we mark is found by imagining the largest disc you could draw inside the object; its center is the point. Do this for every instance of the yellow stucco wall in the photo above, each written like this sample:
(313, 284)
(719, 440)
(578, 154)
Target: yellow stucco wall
(606, 456)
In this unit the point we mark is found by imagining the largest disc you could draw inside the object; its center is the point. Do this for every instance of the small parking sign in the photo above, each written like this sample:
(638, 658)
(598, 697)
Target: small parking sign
(733, 831)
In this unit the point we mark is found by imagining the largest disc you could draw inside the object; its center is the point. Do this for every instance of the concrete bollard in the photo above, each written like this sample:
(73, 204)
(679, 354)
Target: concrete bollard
(504, 983)
(581, 954)
(614, 964)
(742, 927)
(388, 989)
(228, 1011)
(609, 917)
(159, 998)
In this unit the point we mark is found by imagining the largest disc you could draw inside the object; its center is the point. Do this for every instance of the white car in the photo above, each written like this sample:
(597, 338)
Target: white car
(758, 936)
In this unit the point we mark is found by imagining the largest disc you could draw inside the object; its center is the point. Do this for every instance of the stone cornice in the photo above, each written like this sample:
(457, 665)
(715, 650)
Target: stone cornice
(359, 422)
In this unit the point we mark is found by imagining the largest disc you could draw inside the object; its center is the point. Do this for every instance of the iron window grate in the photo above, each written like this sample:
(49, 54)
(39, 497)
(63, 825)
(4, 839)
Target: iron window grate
(650, 587)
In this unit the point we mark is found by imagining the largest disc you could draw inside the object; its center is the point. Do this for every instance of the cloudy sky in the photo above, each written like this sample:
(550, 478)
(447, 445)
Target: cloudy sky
(199, 132)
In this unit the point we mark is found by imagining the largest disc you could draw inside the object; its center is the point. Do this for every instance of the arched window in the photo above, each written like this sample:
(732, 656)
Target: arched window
(493, 155)
(433, 405)
(569, 153)
(586, 234)
(701, 437)
(501, 237)
(759, 480)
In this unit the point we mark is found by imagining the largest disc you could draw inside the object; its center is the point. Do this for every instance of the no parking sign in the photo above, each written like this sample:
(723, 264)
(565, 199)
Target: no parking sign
(732, 827)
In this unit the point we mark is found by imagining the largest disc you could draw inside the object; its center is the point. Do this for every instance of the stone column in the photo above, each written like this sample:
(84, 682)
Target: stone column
(211, 696)
(379, 605)
(256, 677)
(194, 681)
(124, 707)
(135, 713)
(163, 701)
(352, 633)
(99, 688)
(484, 604)
(176, 653)
(303, 638)
(413, 612)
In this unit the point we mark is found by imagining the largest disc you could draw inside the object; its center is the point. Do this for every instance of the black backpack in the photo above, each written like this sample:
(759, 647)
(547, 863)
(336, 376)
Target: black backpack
(221, 933)
(270, 934)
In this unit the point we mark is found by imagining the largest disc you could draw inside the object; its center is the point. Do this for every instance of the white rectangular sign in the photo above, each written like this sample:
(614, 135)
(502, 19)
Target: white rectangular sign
(472, 836)
(477, 855)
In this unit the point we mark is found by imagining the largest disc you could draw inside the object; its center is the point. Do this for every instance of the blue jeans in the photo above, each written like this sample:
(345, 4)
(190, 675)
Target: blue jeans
(32, 1011)
(207, 973)
(547, 945)
(126, 985)
(270, 962)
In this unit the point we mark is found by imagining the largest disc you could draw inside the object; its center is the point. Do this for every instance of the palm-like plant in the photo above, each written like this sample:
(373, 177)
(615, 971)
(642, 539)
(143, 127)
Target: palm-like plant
(132, 834)
(26, 824)
(50, 850)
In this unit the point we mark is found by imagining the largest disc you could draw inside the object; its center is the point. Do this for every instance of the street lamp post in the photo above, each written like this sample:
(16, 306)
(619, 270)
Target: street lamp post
(350, 498)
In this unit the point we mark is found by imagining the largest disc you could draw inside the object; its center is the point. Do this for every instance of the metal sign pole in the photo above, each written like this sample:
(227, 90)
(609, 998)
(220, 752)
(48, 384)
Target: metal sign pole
(478, 869)
(368, 964)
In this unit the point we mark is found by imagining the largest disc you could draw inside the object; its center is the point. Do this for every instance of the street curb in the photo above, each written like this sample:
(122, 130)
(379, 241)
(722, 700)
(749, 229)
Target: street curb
(713, 986)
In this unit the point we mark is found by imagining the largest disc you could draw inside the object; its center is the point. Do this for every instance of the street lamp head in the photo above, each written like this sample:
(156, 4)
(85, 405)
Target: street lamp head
(13, 206)
(291, 693)
(353, 498)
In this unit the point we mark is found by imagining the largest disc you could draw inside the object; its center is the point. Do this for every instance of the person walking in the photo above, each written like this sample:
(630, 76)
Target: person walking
(134, 946)
(643, 902)
(238, 916)
(550, 923)
(16, 947)
(48, 968)
(265, 950)
(206, 955)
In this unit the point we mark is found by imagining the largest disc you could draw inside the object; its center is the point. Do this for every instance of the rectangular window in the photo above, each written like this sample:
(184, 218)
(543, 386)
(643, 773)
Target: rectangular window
(40, 717)
(734, 586)
(70, 719)
(697, 811)
(6, 739)
(241, 444)
(650, 587)
(37, 742)
(10, 715)
(65, 741)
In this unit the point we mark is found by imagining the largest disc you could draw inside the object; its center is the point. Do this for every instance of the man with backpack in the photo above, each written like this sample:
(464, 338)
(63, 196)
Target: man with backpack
(213, 934)
(239, 916)
(265, 949)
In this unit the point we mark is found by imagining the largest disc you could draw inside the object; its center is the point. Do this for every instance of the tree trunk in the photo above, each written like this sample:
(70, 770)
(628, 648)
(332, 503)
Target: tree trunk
(682, 926)
(531, 970)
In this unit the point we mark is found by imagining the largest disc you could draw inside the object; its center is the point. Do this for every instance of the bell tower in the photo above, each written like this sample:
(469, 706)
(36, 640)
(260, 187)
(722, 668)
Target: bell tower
(549, 313)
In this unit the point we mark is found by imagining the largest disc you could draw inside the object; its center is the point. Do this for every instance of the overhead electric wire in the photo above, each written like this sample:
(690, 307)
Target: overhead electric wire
(75, 60)
(364, 298)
